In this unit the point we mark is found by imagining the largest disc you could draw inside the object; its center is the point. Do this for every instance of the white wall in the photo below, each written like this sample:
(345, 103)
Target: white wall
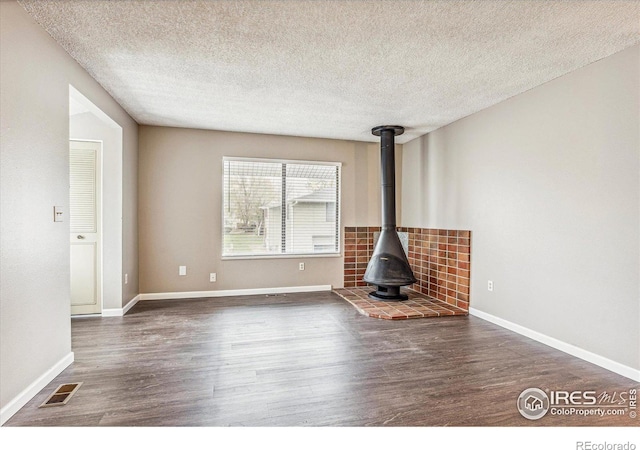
(548, 181)
(35, 74)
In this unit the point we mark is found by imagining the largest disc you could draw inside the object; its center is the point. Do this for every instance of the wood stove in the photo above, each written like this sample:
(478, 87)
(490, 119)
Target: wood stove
(388, 268)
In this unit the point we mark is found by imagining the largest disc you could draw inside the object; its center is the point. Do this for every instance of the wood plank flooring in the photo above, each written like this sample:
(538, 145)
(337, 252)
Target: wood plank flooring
(305, 360)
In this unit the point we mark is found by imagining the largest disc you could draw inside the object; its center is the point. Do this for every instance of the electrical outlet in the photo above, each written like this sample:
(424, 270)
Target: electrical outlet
(126, 278)
(212, 277)
(490, 286)
(301, 266)
(182, 270)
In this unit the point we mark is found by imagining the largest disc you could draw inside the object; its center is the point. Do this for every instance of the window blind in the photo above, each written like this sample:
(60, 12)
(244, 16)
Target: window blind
(274, 207)
(82, 191)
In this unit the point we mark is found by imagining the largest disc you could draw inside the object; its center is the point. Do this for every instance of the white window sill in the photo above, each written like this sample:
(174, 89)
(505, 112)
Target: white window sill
(301, 256)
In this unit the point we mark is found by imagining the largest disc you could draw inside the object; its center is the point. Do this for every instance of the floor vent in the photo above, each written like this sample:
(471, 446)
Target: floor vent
(61, 395)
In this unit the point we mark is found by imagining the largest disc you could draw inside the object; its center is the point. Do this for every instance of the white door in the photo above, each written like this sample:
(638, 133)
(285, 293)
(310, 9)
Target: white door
(84, 224)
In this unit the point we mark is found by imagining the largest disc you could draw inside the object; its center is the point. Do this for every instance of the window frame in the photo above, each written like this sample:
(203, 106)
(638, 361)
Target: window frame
(335, 254)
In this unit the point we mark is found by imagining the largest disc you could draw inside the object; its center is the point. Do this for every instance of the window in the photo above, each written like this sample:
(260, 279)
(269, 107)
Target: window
(280, 207)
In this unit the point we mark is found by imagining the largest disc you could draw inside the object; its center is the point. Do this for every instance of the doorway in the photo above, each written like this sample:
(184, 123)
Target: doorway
(88, 123)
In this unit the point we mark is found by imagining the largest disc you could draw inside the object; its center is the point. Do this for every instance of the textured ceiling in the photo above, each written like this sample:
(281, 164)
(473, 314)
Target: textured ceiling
(331, 69)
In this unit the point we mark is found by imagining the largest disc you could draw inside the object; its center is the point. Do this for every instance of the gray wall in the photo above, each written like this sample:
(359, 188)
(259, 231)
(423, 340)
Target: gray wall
(549, 183)
(180, 207)
(35, 73)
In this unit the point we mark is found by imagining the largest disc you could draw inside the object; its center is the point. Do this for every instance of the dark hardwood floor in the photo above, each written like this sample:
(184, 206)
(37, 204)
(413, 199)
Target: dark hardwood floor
(305, 359)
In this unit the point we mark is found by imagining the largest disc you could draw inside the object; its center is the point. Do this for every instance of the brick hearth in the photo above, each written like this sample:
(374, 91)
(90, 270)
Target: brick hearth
(418, 306)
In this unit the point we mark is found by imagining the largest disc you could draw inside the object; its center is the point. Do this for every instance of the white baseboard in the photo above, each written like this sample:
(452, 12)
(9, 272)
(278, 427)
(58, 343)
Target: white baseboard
(112, 312)
(40, 383)
(232, 292)
(131, 304)
(606, 363)
(119, 312)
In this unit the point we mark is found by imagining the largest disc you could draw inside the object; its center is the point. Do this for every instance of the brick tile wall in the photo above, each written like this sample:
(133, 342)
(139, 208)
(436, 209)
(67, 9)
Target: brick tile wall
(358, 248)
(440, 260)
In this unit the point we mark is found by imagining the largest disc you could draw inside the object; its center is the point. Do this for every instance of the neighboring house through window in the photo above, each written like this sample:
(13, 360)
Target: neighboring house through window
(274, 207)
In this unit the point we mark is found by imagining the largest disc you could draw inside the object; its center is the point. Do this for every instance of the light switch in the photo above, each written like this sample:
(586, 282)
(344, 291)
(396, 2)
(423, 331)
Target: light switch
(182, 270)
(58, 214)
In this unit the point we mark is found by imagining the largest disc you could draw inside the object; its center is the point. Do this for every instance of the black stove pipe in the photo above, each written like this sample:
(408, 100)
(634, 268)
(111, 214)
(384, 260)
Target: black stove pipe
(388, 267)
(388, 175)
